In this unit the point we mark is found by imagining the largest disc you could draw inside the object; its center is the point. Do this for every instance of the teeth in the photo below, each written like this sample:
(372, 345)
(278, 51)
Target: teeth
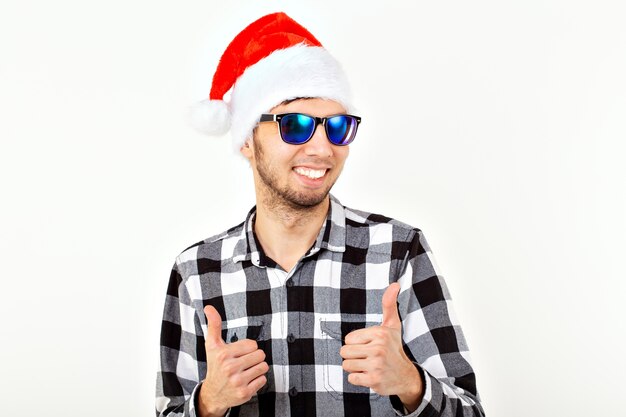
(310, 173)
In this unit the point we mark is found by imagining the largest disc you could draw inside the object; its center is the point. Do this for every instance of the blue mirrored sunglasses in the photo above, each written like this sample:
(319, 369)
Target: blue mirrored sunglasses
(298, 128)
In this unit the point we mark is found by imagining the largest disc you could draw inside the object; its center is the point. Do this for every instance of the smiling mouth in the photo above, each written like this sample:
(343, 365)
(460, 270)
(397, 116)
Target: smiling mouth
(310, 173)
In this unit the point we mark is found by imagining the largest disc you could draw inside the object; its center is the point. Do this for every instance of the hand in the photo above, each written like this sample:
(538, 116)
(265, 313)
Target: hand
(374, 357)
(235, 371)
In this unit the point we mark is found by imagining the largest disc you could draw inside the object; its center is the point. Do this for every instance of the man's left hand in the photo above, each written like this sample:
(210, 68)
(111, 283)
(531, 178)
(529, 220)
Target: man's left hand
(374, 357)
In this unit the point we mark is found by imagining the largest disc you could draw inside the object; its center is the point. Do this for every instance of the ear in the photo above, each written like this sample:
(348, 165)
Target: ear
(247, 149)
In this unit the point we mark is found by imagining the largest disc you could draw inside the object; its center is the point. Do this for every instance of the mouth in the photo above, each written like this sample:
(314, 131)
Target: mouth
(313, 174)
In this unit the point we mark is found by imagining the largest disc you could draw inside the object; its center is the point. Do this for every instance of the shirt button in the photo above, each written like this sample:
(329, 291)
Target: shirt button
(290, 283)
(291, 338)
(234, 338)
(293, 392)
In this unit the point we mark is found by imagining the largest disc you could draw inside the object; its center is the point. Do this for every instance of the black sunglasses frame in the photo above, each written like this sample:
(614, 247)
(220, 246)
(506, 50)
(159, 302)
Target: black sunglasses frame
(268, 117)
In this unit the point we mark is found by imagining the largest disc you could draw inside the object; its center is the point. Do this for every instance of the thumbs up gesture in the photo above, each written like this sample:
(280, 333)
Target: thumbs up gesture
(235, 371)
(374, 356)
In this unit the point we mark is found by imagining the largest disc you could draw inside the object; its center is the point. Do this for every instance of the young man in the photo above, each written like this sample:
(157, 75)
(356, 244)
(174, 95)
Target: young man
(307, 308)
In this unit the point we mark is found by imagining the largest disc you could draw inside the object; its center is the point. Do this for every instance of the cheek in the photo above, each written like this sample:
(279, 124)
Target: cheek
(342, 154)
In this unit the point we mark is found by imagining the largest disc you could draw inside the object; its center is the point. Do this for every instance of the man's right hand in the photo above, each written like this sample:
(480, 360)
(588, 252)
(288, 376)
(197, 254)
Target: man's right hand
(235, 371)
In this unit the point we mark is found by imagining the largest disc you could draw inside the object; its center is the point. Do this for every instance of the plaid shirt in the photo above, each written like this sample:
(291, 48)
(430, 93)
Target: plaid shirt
(300, 318)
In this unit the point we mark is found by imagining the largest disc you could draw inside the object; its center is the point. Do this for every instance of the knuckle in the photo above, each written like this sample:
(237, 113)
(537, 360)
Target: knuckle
(262, 381)
(357, 379)
(352, 378)
(378, 351)
(236, 380)
(221, 355)
(229, 368)
(242, 394)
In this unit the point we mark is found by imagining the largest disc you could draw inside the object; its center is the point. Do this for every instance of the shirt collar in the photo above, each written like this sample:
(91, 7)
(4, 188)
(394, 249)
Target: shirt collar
(332, 236)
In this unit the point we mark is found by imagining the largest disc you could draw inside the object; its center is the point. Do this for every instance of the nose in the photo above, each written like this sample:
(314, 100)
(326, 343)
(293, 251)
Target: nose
(319, 145)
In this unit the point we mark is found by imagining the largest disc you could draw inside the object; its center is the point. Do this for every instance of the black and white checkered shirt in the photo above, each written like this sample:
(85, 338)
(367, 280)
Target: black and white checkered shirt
(300, 318)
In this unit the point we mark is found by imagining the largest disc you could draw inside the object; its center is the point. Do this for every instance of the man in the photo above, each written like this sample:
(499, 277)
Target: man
(308, 307)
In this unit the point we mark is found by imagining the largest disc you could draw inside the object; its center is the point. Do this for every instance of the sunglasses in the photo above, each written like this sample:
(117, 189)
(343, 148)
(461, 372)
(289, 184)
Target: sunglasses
(298, 128)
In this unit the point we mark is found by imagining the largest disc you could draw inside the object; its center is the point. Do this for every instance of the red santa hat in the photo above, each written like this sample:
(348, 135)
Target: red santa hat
(272, 60)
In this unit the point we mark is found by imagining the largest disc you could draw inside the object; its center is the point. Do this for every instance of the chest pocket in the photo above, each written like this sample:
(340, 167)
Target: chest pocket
(335, 378)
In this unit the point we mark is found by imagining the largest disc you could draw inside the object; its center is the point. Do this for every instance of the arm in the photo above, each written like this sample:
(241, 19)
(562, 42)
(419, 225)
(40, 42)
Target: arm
(182, 356)
(433, 339)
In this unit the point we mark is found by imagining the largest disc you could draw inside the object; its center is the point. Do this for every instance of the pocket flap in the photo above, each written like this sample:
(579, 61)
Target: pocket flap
(233, 334)
(340, 329)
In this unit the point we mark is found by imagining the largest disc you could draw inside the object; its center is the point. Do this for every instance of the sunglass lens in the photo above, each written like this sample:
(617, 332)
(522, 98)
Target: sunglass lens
(296, 128)
(341, 129)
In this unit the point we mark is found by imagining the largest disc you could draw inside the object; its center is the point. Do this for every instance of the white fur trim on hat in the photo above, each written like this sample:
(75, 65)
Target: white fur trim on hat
(285, 74)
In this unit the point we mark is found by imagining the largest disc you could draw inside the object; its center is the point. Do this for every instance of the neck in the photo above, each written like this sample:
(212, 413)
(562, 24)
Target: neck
(286, 232)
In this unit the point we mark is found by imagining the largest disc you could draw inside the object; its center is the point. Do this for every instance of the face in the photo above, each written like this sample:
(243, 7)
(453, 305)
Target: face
(298, 176)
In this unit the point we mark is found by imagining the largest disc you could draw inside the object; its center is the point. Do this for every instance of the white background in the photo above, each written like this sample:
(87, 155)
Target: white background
(496, 127)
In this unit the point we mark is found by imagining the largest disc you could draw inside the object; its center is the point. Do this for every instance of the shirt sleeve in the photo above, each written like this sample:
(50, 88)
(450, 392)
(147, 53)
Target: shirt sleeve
(182, 356)
(433, 338)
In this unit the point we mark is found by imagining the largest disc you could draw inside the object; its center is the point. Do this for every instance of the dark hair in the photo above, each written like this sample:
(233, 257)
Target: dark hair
(294, 99)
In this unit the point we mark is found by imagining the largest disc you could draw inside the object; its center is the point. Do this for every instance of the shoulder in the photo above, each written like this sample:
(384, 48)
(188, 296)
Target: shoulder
(372, 221)
(212, 250)
(384, 236)
(378, 232)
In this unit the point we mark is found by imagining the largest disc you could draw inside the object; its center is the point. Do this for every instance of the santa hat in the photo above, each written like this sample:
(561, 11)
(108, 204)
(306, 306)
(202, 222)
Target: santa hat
(272, 60)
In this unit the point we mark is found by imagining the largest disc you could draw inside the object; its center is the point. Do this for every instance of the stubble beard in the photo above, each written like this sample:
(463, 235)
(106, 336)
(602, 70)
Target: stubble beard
(277, 198)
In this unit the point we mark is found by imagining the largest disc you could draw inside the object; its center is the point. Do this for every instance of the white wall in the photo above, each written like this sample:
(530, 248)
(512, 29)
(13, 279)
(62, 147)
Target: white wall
(496, 127)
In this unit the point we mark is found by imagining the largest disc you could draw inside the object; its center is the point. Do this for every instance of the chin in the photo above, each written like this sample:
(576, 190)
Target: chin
(304, 199)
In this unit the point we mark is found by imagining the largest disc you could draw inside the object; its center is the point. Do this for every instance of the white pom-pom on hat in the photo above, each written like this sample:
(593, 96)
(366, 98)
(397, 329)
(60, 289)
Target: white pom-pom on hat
(211, 117)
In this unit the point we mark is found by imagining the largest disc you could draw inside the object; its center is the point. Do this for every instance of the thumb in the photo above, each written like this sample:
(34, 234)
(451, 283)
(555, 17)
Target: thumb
(390, 310)
(214, 323)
